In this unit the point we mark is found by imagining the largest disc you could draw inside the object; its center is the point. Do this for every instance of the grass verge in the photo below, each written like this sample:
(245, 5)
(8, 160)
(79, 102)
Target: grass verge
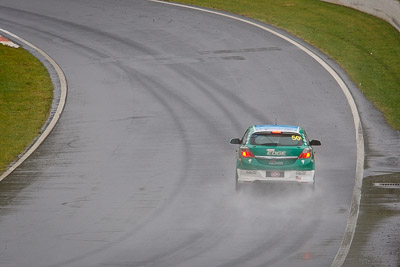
(26, 94)
(366, 47)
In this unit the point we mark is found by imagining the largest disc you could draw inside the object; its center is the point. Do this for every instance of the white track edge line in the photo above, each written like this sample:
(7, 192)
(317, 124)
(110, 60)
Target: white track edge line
(57, 114)
(356, 197)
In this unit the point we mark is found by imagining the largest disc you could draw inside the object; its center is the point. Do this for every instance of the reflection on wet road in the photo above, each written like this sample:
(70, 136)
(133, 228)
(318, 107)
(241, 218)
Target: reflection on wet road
(139, 170)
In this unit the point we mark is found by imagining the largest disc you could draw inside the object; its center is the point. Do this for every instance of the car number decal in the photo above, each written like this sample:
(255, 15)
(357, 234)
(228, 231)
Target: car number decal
(296, 137)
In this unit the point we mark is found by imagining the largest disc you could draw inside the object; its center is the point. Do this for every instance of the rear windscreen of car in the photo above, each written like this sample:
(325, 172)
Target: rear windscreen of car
(273, 139)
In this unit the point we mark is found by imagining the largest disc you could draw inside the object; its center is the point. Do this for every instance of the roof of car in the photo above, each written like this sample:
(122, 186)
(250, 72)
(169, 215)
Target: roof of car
(273, 127)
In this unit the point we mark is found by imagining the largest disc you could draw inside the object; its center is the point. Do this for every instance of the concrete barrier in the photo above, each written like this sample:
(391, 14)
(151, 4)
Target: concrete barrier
(388, 10)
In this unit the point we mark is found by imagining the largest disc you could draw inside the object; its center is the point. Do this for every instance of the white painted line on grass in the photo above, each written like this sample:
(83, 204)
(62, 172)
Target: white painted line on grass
(354, 210)
(57, 114)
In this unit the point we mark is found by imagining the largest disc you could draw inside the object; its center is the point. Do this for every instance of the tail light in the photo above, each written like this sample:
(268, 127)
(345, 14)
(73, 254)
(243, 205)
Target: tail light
(305, 154)
(245, 152)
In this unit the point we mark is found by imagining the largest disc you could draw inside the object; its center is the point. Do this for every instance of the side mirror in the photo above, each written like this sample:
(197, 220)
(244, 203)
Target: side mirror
(315, 143)
(236, 141)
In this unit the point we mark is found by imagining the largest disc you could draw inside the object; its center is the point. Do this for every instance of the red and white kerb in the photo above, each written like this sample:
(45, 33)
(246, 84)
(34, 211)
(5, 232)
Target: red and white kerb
(5, 41)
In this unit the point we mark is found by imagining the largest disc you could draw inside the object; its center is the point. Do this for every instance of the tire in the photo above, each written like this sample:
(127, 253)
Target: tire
(312, 186)
(237, 184)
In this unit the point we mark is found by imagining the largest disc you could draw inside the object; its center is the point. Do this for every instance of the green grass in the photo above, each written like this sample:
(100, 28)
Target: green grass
(368, 48)
(26, 93)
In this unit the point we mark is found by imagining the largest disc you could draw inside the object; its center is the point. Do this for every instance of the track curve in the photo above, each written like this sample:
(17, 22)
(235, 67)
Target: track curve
(139, 170)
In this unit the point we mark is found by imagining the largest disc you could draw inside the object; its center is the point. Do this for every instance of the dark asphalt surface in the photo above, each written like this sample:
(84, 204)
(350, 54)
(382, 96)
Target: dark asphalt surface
(377, 240)
(139, 170)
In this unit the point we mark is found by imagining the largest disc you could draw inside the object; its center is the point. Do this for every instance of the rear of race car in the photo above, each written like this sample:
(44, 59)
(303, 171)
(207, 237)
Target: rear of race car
(275, 153)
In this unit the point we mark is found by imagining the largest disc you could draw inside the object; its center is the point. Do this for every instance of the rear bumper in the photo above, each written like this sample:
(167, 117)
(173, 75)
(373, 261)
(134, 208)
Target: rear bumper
(288, 176)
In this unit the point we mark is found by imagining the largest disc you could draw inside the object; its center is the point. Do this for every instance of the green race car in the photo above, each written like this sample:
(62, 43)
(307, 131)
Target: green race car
(275, 153)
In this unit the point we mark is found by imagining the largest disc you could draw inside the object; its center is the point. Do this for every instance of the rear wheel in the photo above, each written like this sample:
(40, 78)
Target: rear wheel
(237, 184)
(311, 186)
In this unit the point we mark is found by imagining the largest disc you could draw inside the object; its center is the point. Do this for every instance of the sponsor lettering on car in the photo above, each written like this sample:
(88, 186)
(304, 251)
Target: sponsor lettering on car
(272, 152)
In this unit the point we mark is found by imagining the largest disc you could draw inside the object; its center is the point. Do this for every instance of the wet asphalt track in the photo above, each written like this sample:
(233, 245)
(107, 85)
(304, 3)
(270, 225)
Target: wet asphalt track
(139, 170)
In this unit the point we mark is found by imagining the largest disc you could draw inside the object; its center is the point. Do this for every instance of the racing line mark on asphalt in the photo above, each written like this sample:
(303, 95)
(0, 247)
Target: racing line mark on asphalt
(356, 197)
(351, 223)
